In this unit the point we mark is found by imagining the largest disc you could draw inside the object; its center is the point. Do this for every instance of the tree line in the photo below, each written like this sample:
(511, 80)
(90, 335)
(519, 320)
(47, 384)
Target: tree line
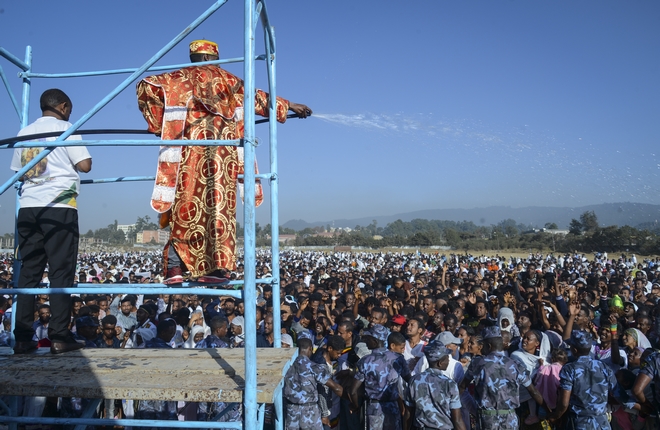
(112, 235)
(584, 235)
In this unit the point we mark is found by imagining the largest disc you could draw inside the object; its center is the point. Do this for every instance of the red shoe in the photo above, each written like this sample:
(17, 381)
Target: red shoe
(177, 279)
(211, 280)
(173, 276)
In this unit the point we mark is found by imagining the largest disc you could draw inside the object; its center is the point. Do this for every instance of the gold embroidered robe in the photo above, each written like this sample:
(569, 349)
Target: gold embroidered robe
(196, 185)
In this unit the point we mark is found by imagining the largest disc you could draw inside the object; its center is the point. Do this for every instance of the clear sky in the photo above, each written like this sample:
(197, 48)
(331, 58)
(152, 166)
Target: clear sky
(417, 104)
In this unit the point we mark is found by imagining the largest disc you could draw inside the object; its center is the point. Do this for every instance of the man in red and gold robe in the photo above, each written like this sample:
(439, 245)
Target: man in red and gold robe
(195, 188)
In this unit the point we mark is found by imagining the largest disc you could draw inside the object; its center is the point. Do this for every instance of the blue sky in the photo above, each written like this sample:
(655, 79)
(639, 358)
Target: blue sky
(418, 104)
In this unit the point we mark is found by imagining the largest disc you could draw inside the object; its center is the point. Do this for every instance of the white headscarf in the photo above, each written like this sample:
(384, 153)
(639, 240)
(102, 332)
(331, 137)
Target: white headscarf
(190, 343)
(531, 361)
(642, 340)
(507, 314)
(145, 333)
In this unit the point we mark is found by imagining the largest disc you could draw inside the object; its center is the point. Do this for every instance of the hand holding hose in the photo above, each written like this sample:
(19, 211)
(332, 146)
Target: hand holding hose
(301, 110)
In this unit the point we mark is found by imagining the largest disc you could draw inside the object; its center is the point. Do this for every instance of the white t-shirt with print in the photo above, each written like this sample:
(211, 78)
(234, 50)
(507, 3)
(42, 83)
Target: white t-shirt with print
(54, 181)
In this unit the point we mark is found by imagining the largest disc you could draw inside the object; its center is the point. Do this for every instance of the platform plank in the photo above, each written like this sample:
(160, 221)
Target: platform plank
(152, 374)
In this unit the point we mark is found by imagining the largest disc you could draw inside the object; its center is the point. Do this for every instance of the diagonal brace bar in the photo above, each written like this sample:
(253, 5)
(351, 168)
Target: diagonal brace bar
(11, 95)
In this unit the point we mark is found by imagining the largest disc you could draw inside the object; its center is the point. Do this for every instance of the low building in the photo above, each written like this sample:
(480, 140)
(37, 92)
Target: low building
(287, 239)
(149, 236)
(556, 231)
(89, 241)
(6, 243)
(125, 228)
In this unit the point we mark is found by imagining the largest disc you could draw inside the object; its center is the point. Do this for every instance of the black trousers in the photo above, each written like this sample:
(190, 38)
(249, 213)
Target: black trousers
(46, 235)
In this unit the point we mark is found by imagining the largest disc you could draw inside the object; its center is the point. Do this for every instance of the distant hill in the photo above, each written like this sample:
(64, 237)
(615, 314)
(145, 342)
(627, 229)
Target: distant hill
(632, 214)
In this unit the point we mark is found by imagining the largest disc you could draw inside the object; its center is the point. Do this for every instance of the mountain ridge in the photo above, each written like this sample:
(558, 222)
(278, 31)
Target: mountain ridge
(620, 214)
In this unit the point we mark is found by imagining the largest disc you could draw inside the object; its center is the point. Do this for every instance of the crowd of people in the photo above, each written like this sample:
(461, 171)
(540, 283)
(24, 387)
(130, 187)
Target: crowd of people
(394, 340)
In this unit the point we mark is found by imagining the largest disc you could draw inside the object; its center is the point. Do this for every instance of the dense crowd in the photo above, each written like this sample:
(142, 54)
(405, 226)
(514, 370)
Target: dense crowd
(393, 340)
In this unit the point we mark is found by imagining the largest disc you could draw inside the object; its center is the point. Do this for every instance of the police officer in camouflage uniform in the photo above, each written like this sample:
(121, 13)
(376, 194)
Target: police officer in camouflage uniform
(583, 388)
(380, 372)
(497, 379)
(649, 373)
(302, 410)
(433, 395)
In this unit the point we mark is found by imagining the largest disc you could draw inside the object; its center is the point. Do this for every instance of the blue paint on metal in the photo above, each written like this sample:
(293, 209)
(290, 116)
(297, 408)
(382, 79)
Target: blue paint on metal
(127, 142)
(255, 17)
(131, 70)
(9, 56)
(279, 410)
(274, 181)
(250, 396)
(120, 422)
(25, 116)
(13, 406)
(11, 94)
(132, 288)
(262, 415)
(222, 412)
(27, 85)
(120, 179)
(89, 411)
(268, 176)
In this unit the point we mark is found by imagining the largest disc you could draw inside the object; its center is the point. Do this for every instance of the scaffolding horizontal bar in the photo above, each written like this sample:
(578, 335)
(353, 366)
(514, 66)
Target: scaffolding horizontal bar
(268, 176)
(15, 139)
(120, 179)
(121, 422)
(185, 288)
(116, 288)
(128, 142)
(131, 70)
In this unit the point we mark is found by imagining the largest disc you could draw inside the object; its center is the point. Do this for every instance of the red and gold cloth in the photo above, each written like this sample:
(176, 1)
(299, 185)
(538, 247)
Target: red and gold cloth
(204, 47)
(196, 185)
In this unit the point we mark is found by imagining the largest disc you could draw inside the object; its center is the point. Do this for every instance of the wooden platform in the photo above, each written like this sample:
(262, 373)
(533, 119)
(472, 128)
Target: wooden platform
(195, 375)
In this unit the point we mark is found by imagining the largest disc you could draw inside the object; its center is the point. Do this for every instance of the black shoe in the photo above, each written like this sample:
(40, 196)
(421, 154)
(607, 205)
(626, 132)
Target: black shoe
(62, 346)
(219, 273)
(25, 347)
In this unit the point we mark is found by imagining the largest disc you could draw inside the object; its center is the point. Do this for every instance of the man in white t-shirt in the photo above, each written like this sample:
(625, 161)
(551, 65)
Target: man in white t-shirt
(48, 223)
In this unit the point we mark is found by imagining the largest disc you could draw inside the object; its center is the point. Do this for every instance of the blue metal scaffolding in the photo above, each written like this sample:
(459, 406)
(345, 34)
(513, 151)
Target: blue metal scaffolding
(254, 11)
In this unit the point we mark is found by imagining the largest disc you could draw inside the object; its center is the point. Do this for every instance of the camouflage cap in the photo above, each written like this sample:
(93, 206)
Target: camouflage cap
(492, 332)
(305, 334)
(436, 351)
(377, 331)
(580, 339)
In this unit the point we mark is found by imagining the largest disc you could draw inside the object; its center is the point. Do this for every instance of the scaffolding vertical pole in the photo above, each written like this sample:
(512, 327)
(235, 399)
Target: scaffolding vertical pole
(250, 396)
(274, 185)
(269, 37)
(25, 115)
(25, 118)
